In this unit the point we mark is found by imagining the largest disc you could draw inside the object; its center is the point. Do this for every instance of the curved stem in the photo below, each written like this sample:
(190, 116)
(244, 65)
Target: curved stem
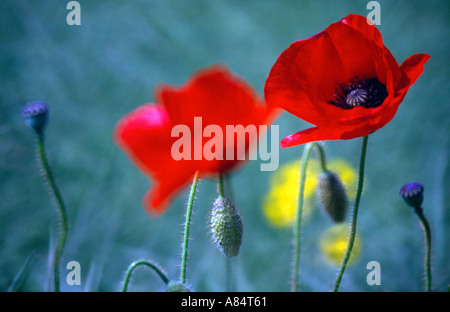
(321, 152)
(355, 214)
(187, 226)
(427, 234)
(61, 211)
(297, 228)
(135, 264)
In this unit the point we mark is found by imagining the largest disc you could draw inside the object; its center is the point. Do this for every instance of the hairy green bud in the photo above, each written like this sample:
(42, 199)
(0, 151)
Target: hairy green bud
(332, 196)
(173, 286)
(226, 227)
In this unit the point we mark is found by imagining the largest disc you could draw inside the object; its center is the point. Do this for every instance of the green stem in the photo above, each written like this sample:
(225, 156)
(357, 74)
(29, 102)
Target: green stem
(297, 228)
(321, 152)
(229, 273)
(427, 234)
(187, 226)
(151, 265)
(355, 214)
(220, 185)
(61, 211)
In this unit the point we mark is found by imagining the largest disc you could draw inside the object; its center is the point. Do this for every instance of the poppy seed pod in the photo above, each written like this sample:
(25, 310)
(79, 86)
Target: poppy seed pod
(226, 227)
(36, 115)
(332, 196)
(412, 193)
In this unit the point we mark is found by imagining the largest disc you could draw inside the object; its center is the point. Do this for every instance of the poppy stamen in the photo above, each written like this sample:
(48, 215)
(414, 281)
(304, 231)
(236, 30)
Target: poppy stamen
(360, 92)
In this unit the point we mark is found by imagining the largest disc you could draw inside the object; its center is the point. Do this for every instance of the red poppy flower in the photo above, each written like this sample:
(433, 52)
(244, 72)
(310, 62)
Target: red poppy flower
(146, 134)
(343, 80)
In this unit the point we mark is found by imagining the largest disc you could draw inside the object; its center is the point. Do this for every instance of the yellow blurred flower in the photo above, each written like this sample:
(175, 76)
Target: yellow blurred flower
(280, 203)
(333, 245)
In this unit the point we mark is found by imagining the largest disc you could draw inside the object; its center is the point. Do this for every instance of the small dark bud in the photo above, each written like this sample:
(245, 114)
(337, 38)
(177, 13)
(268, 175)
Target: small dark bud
(226, 227)
(36, 115)
(412, 193)
(332, 196)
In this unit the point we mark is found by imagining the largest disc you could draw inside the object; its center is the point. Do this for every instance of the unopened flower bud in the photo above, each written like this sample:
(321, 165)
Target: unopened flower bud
(226, 227)
(412, 193)
(174, 286)
(332, 196)
(36, 115)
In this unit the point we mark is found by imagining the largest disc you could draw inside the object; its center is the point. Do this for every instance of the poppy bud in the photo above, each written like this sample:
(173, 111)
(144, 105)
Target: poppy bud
(173, 286)
(36, 115)
(412, 193)
(226, 227)
(332, 196)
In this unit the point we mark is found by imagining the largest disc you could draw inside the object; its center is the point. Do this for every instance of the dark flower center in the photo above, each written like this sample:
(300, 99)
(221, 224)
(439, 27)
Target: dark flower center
(360, 92)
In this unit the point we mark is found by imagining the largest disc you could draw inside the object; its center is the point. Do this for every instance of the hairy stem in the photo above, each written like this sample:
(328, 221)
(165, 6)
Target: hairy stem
(355, 214)
(149, 264)
(187, 226)
(63, 223)
(427, 235)
(220, 185)
(297, 227)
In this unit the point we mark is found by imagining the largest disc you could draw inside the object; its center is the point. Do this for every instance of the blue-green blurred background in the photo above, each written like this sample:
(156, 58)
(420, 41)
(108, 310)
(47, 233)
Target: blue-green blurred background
(93, 74)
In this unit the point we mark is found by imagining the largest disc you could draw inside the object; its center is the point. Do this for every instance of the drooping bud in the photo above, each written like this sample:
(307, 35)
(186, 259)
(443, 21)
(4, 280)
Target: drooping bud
(412, 193)
(36, 115)
(332, 196)
(226, 227)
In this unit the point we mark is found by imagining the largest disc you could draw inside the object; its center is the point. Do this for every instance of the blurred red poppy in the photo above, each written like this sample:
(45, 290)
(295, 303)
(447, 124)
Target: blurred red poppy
(146, 134)
(343, 80)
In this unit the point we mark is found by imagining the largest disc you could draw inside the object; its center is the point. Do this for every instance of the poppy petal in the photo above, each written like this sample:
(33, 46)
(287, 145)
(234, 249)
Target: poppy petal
(287, 84)
(216, 95)
(311, 135)
(364, 26)
(412, 68)
(145, 136)
(222, 100)
(157, 199)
